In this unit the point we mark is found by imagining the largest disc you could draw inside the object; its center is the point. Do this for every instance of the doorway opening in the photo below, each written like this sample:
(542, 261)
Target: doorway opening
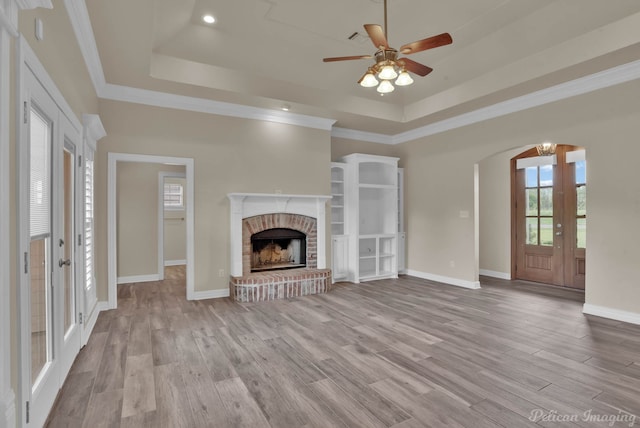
(172, 233)
(112, 216)
(549, 217)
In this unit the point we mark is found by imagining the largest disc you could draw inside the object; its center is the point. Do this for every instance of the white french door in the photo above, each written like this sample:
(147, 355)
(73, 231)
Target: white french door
(50, 286)
(69, 256)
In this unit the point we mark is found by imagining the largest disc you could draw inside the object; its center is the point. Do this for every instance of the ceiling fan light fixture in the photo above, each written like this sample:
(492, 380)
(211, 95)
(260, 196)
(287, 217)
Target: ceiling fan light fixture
(387, 72)
(388, 66)
(385, 87)
(404, 79)
(546, 149)
(369, 80)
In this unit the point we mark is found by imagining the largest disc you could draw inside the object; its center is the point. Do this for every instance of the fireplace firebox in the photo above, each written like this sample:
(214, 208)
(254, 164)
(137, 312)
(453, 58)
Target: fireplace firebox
(278, 249)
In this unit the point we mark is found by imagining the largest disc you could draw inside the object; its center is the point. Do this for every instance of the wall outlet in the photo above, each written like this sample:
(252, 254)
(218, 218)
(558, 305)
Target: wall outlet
(221, 273)
(452, 263)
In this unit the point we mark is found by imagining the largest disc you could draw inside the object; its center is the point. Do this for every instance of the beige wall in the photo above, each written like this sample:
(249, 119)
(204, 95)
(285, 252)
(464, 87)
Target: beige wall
(613, 204)
(175, 228)
(231, 155)
(137, 217)
(439, 184)
(60, 54)
(495, 212)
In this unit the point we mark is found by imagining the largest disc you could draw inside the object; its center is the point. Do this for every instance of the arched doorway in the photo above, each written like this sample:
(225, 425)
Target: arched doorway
(548, 216)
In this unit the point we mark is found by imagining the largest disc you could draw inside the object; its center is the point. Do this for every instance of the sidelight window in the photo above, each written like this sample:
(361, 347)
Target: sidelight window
(581, 203)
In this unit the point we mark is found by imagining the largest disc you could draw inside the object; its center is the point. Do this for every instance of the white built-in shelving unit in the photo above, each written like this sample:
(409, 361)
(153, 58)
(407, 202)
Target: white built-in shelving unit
(368, 212)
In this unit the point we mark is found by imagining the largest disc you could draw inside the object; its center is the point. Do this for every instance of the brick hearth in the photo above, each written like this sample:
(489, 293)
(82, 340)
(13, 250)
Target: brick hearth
(283, 284)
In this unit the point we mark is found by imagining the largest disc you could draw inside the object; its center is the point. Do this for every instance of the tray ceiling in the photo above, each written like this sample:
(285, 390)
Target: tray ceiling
(266, 53)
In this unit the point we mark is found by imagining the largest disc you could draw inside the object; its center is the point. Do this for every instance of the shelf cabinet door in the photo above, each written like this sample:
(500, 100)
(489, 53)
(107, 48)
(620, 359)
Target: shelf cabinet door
(340, 257)
(402, 249)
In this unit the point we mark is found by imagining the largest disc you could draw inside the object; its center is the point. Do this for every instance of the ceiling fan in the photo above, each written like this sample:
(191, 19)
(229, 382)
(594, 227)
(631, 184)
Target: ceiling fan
(388, 66)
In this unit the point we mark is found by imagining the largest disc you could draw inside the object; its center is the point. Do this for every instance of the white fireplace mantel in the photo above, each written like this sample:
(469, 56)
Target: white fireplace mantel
(244, 205)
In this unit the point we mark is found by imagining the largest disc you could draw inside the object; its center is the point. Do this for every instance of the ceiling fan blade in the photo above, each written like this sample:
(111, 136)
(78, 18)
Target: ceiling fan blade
(415, 67)
(346, 58)
(428, 43)
(376, 34)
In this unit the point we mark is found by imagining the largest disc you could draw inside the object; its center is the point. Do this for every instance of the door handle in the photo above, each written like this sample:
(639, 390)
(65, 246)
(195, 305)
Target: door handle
(558, 233)
(64, 262)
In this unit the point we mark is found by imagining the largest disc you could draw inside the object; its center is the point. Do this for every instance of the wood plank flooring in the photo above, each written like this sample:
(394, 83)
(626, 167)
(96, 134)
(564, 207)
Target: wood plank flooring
(393, 353)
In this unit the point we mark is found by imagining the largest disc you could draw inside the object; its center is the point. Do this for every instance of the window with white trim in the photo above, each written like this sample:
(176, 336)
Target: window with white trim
(173, 196)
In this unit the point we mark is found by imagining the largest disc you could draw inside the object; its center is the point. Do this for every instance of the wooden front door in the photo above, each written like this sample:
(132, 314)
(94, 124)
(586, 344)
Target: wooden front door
(549, 217)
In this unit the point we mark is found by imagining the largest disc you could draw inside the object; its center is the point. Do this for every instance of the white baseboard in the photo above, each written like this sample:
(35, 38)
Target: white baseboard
(175, 262)
(138, 278)
(8, 409)
(209, 294)
(614, 314)
(474, 285)
(495, 274)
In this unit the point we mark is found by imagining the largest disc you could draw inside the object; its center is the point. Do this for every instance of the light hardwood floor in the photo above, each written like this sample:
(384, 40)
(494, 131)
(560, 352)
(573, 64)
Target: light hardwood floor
(402, 353)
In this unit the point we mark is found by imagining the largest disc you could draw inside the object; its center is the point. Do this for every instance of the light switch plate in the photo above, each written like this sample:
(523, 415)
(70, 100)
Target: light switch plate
(39, 29)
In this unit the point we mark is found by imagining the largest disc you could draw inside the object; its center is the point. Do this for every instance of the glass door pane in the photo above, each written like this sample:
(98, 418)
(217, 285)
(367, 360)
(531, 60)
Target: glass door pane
(539, 205)
(40, 304)
(68, 219)
(41, 299)
(581, 204)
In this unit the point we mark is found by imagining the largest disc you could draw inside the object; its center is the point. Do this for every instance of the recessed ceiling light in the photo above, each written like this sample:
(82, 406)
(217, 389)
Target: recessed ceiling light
(286, 107)
(209, 19)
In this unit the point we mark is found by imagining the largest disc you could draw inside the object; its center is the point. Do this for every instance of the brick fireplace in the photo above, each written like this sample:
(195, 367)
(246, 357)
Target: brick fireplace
(295, 217)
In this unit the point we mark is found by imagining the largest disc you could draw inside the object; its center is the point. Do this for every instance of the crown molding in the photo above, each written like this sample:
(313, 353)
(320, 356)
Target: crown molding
(9, 17)
(32, 4)
(81, 24)
(369, 137)
(93, 127)
(201, 105)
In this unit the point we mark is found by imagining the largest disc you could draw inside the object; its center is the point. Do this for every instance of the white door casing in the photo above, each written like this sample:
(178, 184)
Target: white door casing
(112, 269)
